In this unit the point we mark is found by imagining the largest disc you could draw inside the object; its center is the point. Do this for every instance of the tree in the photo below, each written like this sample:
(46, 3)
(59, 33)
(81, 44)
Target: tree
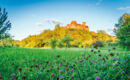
(101, 31)
(122, 30)
(67, 40)
(53, 43)
(77, 44)
(102, 35)
(98, 43)
(60, 43)
(57, 26)
(123, 21)
(5, 24)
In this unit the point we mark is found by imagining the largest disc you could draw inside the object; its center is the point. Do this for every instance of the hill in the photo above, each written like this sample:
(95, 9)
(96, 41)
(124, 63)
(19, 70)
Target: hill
(80, 37)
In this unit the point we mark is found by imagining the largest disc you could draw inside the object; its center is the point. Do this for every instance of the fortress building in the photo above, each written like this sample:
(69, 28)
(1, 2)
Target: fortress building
(77, 26)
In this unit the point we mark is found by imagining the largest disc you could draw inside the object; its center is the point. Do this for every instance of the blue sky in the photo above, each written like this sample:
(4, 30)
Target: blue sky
(30, 17)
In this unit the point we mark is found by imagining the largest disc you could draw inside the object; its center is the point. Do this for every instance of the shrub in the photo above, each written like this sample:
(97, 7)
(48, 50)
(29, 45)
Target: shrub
(76, 44)
(98, 43)
(67, 40)
(53, 42)
(60, 44)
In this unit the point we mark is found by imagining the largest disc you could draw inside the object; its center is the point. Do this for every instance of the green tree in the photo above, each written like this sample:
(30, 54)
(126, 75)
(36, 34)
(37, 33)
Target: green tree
(53, 43)
(67, 40)
(123, 21)
(98, 43)
(60, 43)
(76, 44)
(122, 30)
(5, 24)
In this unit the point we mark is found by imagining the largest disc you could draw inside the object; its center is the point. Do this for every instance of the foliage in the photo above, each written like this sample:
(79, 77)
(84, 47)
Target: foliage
(5, 25)
(98, 43)
(53, 43)
(81, 38)
(67, 40)
(123, 21)
(6, 42)
(60, 43)
(123, 30)
(34, 42)
(76, 44)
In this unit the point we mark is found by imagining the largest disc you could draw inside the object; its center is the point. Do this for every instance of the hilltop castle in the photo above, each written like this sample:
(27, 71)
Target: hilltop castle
(77, 26)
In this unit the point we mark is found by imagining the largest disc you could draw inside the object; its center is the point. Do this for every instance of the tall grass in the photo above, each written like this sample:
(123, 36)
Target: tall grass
(67, 64)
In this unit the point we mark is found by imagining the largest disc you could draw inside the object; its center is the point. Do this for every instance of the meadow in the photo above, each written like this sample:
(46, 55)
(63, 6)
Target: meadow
(107, 63)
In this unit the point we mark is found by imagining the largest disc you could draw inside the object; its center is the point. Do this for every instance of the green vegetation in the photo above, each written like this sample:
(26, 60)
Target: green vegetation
(98, 43)
(123, 30)
(67, 64)
(53, 42)
(82, 63)
(66, 38)
(5, 26)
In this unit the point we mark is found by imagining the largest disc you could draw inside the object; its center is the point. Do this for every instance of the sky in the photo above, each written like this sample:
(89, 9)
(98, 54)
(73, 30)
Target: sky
(30, 17)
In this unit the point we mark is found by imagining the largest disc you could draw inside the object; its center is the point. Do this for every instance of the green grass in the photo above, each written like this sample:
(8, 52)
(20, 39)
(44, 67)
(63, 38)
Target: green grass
(76, 64)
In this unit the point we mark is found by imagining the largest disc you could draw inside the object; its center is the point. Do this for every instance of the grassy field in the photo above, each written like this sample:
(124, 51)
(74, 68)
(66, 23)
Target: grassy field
(64, 64)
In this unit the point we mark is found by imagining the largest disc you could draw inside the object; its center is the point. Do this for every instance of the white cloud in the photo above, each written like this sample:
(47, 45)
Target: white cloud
(39, 24)
(125, 8)
(54, 21)
(98, 3)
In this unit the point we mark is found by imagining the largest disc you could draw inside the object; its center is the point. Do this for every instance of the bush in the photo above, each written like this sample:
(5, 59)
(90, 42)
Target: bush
(60, 44)
(67, 40)
(76, 44)
(53, 42)
(98, 43)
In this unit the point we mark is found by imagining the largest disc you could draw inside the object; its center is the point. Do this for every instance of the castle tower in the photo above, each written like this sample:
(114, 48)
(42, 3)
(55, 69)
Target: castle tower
(83, 23)
(73, 22)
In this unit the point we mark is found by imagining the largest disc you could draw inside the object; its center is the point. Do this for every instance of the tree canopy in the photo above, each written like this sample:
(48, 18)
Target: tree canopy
(123, 30)
(5, 24)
